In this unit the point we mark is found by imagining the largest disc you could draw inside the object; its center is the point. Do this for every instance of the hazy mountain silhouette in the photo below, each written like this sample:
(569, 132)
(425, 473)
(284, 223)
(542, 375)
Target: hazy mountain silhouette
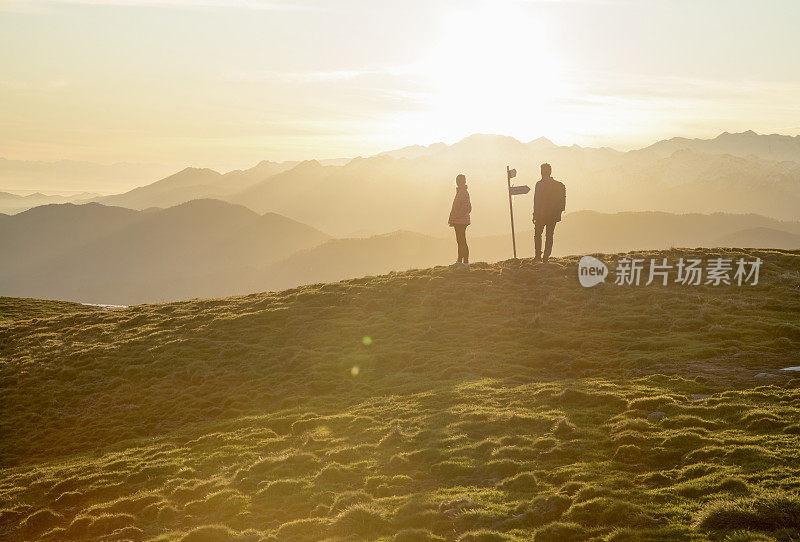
(587, 231)
(410, 188)
(15, 203)
(194, 183)
(338, 259)
(41, 233)
(414, 151)
(116, 255)
(601, 178)
(582, 232)
(97, 253)
(771, 147)
(382, 193)
(367, 194)
(760, 237)
(205, 248)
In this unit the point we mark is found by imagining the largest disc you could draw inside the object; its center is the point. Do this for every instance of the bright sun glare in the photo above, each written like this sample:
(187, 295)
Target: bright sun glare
(492, 71)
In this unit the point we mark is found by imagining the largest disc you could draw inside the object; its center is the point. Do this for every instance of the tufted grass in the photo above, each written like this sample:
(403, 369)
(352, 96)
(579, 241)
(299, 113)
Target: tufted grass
(17, 308)
(506, 403)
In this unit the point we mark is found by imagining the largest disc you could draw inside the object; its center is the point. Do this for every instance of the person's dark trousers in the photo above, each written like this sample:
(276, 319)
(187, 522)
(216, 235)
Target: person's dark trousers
(548, 228)
(461, 239)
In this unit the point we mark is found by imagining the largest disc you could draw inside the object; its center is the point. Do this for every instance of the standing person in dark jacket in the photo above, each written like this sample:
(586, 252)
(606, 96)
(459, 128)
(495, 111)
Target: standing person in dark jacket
(459, 220)
(549, 201)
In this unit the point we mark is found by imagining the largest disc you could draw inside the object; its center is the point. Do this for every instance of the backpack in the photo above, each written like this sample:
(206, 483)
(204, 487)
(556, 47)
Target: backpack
(562, 197)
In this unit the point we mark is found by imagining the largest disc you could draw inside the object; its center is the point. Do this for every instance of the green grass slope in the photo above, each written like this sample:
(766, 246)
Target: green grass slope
(506, 403)
(20, 308)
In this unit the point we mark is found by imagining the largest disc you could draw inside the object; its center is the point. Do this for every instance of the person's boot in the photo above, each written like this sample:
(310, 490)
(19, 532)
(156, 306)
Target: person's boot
(546, 259)
(537, 258)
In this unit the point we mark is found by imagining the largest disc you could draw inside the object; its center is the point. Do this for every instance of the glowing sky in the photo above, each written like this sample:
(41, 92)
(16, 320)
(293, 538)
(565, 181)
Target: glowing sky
(226, 83)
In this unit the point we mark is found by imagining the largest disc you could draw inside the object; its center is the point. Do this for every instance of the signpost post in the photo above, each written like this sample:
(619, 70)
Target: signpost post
(511, 173)
(514, 191)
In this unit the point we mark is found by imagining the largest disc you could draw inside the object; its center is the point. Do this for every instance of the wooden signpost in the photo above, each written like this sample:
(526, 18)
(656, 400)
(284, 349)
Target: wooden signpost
(514, 191)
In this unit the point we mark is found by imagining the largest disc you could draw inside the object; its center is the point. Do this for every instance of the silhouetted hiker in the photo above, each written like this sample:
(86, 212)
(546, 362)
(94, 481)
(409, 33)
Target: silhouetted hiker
(459, 220)
(549, 201)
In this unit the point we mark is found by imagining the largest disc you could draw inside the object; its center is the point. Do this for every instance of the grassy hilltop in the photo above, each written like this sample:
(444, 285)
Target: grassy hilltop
(16, 308)
(507, 403)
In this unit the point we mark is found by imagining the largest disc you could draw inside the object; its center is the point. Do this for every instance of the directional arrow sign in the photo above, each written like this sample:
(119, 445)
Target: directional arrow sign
(517, 190)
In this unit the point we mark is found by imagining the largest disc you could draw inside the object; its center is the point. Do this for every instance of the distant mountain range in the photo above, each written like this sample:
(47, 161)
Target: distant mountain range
(95, 253)
(411, 188)
(760, 237)
(769, 147)
(15, 203)
(201, 233)
(194, 183)
(583, 232)
(209, 248)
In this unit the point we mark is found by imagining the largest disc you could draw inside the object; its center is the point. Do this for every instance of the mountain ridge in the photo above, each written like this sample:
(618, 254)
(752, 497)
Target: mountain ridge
(601, 178)
(124, 256)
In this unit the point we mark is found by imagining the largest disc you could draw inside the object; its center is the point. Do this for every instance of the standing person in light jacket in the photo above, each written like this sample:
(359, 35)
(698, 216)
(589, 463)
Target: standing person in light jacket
(459, 220)
(549, 201)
